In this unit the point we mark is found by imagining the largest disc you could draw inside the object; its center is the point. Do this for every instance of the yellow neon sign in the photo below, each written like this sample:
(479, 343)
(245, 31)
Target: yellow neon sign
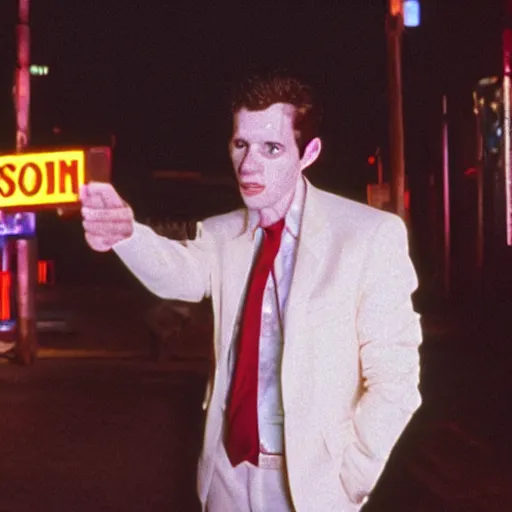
(41, 179)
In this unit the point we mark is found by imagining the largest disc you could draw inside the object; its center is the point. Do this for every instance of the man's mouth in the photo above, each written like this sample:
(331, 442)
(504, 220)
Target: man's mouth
(251, 189)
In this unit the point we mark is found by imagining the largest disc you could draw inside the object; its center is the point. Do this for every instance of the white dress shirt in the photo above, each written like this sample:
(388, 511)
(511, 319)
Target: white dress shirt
(270, 404)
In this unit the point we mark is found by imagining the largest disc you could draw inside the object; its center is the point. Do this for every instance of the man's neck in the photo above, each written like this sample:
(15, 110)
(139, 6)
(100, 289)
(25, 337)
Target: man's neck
(269, 216)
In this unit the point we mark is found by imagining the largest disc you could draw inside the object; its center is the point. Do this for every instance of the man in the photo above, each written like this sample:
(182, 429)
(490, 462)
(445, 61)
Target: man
(315, 338)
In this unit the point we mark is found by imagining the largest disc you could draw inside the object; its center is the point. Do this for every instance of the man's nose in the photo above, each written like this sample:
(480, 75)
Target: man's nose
(249, 165)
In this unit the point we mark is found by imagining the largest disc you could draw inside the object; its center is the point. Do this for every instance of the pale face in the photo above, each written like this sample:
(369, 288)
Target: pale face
(266, 159)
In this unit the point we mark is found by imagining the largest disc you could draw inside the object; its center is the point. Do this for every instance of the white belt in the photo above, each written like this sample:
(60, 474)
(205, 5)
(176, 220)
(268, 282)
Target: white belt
(270, 461)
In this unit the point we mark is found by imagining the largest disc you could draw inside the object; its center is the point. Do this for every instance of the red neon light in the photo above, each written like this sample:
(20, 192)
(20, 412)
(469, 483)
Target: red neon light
(45, 274)
(42, 272)
(5, 295)
(407, 200)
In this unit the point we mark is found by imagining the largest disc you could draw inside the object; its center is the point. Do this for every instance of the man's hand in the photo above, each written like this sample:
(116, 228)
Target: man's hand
(107, 219)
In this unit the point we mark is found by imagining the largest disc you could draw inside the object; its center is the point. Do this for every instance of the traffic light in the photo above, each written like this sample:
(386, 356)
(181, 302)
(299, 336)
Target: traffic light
(408, 9)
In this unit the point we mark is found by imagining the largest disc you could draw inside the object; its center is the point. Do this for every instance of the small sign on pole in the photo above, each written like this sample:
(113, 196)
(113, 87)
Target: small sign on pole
(379, 195)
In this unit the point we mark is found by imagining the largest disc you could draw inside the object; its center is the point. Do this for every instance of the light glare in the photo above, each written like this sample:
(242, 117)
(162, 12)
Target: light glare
(411, 13)
(39, 70)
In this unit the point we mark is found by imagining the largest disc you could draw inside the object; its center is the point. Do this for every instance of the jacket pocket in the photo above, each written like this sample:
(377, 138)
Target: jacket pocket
(336, 438)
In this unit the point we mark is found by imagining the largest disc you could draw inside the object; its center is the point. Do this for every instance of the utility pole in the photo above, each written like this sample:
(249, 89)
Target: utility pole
(26, 248)
(394, 31)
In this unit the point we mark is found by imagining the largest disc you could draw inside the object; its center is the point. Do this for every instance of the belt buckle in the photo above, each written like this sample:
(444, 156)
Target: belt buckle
(270, 461)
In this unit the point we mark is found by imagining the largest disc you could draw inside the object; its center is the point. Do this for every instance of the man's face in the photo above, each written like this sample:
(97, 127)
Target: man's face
(265, 156)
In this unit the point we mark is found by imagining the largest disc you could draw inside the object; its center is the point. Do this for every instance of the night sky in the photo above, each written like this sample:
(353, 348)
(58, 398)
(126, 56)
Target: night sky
(156, 73)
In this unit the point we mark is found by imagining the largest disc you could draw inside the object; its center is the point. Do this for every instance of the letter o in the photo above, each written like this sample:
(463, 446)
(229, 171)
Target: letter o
(38, 181)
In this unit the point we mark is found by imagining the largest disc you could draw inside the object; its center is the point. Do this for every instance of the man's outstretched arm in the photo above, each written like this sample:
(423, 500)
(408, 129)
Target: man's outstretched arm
(168, 268)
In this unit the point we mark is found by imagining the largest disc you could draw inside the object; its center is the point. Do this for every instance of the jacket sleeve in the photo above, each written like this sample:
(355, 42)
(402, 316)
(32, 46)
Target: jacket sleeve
(389, 334)
(170, 269)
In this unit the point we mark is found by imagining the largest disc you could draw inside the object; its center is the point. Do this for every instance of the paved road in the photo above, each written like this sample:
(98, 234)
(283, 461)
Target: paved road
(89, 435)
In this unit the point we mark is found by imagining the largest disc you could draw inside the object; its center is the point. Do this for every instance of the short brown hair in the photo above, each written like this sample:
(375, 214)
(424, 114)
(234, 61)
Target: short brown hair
(261, 89)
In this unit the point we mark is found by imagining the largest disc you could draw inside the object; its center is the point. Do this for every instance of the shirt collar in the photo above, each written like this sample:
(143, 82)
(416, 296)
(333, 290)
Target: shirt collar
(293, 218)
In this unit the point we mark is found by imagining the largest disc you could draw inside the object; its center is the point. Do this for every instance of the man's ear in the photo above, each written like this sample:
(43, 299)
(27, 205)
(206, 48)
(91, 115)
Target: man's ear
(311, 153)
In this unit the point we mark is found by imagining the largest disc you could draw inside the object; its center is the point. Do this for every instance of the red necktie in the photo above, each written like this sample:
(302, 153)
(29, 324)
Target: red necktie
(242, 439)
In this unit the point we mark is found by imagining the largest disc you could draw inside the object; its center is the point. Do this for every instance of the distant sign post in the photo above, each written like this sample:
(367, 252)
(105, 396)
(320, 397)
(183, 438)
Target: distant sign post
(378, 195)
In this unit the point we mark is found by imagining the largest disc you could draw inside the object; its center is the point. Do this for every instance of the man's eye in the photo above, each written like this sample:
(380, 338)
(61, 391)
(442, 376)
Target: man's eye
(239, 144)
(273, 149)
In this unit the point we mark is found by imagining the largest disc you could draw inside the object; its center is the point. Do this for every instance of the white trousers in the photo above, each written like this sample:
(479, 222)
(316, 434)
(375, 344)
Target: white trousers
(247, 488)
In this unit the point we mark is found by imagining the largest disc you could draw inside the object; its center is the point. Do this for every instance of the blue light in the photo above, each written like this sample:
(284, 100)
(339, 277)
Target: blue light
(18, 224)
(411, 13)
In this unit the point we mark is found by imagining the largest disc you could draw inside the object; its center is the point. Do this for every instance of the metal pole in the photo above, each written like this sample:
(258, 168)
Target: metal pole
(446, 201)
(26, 282)
(395, 26)
(480, 200)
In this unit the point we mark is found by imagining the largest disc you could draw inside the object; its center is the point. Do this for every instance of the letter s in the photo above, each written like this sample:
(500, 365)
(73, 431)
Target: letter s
(4, 178)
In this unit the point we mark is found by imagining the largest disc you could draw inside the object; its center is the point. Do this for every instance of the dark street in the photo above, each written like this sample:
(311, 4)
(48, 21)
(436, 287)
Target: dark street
(88, 429)
(87, 435)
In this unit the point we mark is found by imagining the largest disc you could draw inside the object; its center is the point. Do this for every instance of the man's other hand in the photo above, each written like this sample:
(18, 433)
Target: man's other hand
(107, 219)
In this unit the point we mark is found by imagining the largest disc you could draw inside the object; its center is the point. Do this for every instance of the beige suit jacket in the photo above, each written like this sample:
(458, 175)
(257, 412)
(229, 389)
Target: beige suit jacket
(350, 365)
